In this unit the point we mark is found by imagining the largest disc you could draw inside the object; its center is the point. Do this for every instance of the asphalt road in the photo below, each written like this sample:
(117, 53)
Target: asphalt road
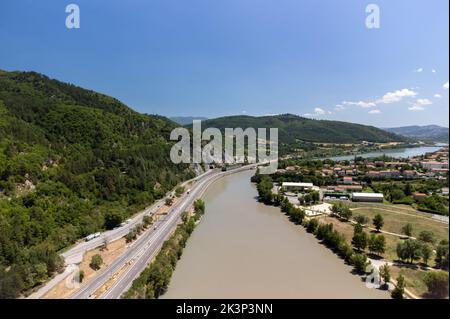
(75, 255)
(140, 253)
(146, 244)
(150, 247)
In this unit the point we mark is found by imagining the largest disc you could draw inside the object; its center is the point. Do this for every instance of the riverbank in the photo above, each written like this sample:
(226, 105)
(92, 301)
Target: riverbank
(245, 249)
(153, 281)
(389, 152)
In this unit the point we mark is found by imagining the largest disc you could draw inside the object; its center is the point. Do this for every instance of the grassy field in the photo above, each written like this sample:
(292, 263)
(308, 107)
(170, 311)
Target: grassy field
(395, 218)
(414, 278)
(346, 228)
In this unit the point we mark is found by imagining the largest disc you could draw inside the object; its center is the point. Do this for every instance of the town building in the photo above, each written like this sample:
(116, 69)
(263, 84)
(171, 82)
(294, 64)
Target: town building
(368, 197)
(290, 185)
(347, 180)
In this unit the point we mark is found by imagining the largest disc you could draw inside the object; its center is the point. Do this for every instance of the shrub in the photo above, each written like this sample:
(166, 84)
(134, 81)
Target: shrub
(437, 283)
(96, 262)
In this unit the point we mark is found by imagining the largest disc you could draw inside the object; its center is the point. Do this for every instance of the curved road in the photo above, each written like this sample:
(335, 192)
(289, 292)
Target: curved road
(140, 253)
(75, 255)
(143, 250)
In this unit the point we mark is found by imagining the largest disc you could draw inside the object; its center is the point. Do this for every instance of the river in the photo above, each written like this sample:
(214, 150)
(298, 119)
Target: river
(244, 249)
(395, 152)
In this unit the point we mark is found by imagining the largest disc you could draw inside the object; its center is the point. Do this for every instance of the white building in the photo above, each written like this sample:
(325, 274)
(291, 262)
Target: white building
(297, 185)
(434, 165)
(368, 197)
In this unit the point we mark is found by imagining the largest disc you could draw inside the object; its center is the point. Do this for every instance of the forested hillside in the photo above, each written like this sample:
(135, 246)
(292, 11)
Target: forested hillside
(432, 133)
(72, 162)
(292, 128)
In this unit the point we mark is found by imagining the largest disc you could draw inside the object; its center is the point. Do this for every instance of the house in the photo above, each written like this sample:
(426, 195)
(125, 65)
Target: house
(373, 174)
(434, 164)
(347, 180)
(327, 172)
(440, 171)
(350, 171)
(345, 188)
(419, 195)
(379, 163)
(409, 174)
(390, 174)
(395, 164)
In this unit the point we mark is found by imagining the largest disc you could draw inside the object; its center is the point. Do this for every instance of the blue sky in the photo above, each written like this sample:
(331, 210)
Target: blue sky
(256, 57)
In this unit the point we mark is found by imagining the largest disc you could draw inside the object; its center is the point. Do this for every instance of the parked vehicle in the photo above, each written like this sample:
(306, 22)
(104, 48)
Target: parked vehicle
(92, 236)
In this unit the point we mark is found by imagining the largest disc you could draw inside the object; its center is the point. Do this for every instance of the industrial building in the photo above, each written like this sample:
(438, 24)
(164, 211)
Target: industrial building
(368, 197)
(288, 185)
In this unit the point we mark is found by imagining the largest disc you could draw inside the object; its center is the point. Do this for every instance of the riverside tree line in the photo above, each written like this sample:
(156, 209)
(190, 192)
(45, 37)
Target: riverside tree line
(154, 280)
(354, 253)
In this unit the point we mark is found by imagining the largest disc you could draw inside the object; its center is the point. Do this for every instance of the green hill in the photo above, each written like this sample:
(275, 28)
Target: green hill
(431, 133)
(72, 162)
(293, 128)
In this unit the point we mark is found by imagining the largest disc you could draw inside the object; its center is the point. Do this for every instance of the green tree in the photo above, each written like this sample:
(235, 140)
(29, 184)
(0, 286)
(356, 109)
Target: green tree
(397, 194)
(359, 261)
(371, 243)
(409, 250)
(437, 283)
(312, 225)
(113, 219)
(335, 208)
(408, 189)
(427, 252)
(407, 230)
(199, 207)
(358, 228)
(147, 221)
(179, 191)
(427, 236)
(378, 222)
(79, 276)
(264, 187)
(96, 262)
(362, 219)
(315, 196)
(11, 283)
(307, 198)
(359, 240)
(377, 244)
(399, 289)
(345, 213)
(385, 274)
(442, 255)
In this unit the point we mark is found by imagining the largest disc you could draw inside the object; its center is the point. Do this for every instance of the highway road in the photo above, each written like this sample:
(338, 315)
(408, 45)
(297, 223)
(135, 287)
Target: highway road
(75, 254)
(152, 247)
(147, 246)
(140, 253)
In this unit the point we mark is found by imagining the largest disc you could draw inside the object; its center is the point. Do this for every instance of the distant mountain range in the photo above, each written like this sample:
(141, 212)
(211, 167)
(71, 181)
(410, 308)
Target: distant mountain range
(432, 133)
(292, 128)
(186, 120)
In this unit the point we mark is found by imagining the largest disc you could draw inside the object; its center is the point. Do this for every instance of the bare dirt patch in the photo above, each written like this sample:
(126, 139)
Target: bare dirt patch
(108, 254)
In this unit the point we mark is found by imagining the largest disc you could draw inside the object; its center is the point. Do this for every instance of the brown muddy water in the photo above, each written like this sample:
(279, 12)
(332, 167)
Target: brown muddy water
(244, 249)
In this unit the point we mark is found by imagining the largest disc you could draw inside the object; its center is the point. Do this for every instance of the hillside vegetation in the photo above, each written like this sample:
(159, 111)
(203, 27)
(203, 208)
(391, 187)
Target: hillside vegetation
(427, 133)
(72, 162)
(293, 128)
